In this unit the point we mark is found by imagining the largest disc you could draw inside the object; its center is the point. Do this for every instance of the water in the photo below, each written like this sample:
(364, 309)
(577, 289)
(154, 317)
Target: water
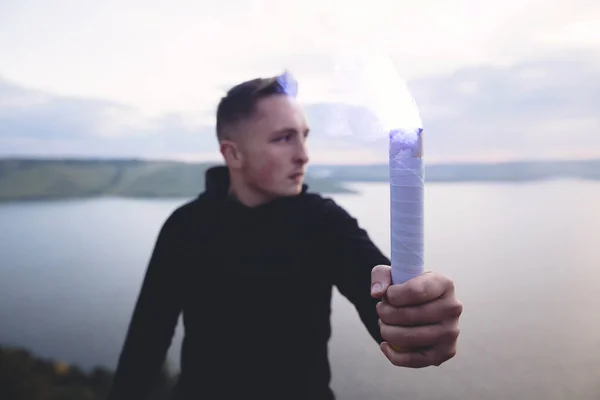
(525, 259)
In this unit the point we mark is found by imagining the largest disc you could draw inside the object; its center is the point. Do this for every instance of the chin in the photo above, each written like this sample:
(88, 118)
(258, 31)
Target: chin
(293, 190)
(296, 191)
(297, 188)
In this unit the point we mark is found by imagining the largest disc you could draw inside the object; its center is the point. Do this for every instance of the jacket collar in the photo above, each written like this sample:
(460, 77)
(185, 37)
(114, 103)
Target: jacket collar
(217, 179)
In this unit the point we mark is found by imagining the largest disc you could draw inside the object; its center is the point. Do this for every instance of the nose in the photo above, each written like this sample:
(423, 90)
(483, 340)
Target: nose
(301, 155)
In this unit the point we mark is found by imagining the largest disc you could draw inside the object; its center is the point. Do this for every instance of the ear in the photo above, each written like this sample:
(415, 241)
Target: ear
(231, 153)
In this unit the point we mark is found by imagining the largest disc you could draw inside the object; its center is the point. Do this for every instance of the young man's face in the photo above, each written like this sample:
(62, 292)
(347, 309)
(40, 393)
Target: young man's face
(272, 146)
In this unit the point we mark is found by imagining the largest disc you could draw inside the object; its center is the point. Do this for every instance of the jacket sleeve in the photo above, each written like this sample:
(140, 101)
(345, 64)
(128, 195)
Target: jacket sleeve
(352, 255)
(154, 318)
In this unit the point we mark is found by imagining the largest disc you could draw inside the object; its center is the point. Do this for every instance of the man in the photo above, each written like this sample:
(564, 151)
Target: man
(251, 264)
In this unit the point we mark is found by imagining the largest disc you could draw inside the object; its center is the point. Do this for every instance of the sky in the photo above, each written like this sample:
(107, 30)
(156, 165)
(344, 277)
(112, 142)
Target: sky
(494, 81)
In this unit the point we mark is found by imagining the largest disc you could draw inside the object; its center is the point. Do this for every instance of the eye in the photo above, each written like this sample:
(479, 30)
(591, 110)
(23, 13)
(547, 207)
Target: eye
(283, 138)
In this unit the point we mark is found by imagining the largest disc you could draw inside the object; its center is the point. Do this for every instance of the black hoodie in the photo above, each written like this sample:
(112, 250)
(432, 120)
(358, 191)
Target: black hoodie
(254, 286)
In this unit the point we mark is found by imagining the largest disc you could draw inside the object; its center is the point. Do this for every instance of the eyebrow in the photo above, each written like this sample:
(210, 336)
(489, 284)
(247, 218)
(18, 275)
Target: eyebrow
(290, 130)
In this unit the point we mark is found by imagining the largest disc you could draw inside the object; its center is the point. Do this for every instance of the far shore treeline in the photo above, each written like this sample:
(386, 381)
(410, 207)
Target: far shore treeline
(24, 179)
(25, 376)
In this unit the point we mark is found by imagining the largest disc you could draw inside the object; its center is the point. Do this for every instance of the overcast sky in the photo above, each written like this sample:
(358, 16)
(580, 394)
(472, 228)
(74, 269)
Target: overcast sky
(493, 80)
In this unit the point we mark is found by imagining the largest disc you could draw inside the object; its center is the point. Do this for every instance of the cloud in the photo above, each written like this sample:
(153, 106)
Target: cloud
(544, 108)
(38, 123)
(540, 109)
(537, 109)
(164, 59)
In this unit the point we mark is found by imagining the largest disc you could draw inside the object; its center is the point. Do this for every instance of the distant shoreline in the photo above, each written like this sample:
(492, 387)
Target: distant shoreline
(28, 374)
(31, 179)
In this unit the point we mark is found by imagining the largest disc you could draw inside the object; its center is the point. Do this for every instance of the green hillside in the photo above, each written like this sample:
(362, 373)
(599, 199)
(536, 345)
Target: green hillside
(52, 179)
(37, 179)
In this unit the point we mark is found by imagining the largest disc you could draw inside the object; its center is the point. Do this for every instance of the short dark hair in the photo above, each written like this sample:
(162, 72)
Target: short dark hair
(240, 101)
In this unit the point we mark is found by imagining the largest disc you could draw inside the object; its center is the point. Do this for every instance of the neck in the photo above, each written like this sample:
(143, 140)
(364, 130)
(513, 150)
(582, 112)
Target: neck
(245, 194)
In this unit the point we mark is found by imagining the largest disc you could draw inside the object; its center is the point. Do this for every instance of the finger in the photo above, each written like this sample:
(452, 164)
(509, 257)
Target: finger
(417, 337)
(381, 279)
(419, 290)
(433, 312)
(434, 356)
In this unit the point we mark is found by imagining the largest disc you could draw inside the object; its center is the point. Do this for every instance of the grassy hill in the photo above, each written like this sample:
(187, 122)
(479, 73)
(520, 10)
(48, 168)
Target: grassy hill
(38, 179)
(22, 179)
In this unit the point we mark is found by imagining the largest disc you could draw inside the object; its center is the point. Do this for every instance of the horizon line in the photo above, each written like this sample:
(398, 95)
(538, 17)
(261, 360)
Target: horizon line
(315, 164)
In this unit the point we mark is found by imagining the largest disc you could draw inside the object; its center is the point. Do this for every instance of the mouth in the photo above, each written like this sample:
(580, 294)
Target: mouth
(297, 176)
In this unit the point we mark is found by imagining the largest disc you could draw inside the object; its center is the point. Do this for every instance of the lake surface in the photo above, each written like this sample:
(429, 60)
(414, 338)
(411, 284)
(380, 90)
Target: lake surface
(525, 258)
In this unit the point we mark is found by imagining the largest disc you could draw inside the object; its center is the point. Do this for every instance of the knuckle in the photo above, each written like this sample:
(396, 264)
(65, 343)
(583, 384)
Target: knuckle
(417, 291)
(412, 338)
(392, 295)
(396, 361)
(438, 360)
(447, 334)
(456, 332)
(452, 333)
(409, 317)
(401, 360)
(379, 308)
(423, 291)
(445, 357)
(456, 309)
(385, 332)
(383, 311)
(450, 284)
(451, 353)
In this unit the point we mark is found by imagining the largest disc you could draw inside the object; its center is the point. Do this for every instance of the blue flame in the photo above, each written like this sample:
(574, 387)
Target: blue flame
(288, 84)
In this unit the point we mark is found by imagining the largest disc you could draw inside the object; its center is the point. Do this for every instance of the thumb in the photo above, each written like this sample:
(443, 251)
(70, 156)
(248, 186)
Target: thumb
(381, 279)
